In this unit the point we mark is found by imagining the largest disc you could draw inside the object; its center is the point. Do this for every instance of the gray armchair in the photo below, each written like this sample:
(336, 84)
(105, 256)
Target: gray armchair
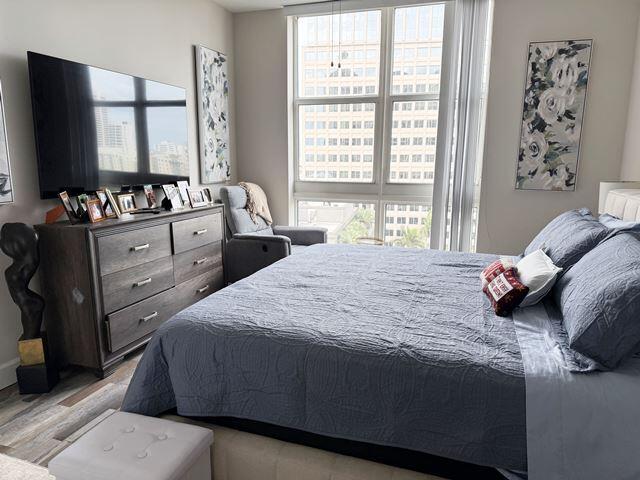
(252, 246)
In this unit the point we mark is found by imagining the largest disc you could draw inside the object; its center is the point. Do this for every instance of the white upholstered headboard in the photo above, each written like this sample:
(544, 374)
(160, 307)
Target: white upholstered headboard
(623, 204)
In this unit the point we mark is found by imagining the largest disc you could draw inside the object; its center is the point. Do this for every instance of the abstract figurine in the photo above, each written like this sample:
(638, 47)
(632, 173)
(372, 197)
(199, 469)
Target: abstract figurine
(20, 242)
(35, 374)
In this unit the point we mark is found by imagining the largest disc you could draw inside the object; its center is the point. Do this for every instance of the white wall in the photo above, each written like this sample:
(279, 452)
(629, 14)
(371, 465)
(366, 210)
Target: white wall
(631, 158)
(148, 38)
(261, 111)
(509, 219)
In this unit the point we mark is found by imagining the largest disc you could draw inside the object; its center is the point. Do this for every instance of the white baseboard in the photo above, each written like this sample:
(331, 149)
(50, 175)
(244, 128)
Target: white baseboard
(8, 372)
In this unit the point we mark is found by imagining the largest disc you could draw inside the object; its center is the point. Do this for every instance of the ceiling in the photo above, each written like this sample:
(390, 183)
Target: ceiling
(252, 5)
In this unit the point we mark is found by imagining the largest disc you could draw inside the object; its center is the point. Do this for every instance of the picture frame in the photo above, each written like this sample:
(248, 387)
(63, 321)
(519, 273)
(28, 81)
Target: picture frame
(173, 195)
(127, 202)
(82, 200)
(197, 197)
(183, 187)
(95, 211)
(6, 179)
(113, 202)
(209, 194)
(554, 102)
(150, 195)
(68, 207)
(212, 88)
(107, 206)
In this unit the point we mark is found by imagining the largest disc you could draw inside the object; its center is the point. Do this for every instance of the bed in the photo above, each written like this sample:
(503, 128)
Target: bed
(392, 348)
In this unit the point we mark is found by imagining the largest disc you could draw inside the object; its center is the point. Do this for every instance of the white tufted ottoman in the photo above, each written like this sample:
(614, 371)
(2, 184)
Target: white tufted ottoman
(132, 447)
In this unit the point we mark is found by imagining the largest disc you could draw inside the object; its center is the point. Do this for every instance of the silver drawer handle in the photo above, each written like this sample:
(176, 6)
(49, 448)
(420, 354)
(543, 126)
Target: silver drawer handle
(203, 289)
(200, 261)
(201, 232)
(149, 317)
(140, 247)
(142, 282)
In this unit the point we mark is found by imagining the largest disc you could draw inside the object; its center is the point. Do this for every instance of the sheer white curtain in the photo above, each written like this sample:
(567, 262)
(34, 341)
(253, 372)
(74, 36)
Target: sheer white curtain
(469, 80)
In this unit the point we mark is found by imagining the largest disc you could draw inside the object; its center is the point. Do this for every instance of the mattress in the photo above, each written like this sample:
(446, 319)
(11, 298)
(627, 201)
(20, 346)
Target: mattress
(392, 347)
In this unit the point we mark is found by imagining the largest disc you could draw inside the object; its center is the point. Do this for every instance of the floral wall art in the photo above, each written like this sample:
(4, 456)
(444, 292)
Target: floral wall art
(213, 115)
(554, 102)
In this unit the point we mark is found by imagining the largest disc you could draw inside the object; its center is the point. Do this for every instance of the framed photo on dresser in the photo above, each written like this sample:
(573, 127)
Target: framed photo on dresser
(173, 195)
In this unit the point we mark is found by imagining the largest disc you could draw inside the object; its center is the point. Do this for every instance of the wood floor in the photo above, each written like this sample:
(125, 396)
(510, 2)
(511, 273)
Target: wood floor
(36, 428)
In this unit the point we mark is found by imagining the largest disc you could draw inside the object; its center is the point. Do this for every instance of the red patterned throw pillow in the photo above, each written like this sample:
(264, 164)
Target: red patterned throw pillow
(496, 268)
(505, 292)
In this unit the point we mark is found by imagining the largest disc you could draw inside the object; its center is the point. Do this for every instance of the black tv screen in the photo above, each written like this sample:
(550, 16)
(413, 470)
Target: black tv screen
(98, 128)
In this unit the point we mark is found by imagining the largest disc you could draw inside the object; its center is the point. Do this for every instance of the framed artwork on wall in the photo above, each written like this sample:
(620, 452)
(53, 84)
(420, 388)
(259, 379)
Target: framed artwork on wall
(213, 115)
(553, 111)
(6, 182)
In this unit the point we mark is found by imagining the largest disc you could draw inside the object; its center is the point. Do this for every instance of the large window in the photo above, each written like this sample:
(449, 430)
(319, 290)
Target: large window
(369, 115)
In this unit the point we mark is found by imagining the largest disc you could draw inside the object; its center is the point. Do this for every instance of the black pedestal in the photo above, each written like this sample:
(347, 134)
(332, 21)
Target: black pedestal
(36, 378)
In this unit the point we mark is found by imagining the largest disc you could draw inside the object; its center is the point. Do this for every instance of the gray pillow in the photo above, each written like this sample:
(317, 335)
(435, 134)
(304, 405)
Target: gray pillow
(569, 236)
(615, 223)
(600, 301)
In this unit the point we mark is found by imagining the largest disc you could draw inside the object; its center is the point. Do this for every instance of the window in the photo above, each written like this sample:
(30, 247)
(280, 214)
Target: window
(389, 153)
(360, 35)
(345, 222)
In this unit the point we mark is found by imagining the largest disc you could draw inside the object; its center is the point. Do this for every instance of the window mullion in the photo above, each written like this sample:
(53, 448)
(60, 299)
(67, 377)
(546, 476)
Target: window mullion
(382, 143)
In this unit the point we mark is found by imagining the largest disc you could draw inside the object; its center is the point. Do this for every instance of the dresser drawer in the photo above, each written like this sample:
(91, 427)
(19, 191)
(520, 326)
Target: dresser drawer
(134, 322)
(137, 283)
(124, 250)
(196, 232)
(197, 261)
(202, 286)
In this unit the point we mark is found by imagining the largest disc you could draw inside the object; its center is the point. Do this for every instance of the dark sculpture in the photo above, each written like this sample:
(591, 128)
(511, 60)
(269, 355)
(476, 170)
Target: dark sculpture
(20, 242)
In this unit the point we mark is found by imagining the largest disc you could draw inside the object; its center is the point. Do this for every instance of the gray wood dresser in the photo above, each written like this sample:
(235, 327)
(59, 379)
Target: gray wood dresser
(108, 286)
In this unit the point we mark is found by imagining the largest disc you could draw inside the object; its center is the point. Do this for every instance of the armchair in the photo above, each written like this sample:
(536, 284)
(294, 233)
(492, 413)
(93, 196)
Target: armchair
(251, 245)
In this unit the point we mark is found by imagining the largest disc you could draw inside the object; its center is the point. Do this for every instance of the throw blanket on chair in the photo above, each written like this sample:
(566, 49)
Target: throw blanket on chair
(256, 202)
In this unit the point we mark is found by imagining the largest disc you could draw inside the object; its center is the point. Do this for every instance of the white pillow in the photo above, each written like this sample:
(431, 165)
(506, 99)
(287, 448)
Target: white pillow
(537, 272)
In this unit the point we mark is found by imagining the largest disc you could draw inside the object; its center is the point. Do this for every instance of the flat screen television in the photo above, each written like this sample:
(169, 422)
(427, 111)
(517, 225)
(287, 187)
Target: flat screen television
(97, 128)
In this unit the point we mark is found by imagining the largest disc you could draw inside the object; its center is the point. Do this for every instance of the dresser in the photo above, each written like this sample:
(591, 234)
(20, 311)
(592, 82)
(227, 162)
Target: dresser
(109, 285)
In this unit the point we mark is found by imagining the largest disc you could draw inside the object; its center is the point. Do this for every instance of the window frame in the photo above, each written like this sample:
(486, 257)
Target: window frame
(381, 190)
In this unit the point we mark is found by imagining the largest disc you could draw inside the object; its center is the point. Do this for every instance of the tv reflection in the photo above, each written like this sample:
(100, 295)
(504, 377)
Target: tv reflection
(140, 125)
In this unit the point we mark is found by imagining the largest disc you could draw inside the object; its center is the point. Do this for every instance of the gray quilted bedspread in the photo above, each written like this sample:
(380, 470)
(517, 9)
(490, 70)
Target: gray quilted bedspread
(388, 346)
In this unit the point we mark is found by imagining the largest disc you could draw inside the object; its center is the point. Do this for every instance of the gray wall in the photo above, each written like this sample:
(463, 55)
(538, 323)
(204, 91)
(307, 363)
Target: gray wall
(631, 159)
(148, 38)
(508, 219)
(261, 72)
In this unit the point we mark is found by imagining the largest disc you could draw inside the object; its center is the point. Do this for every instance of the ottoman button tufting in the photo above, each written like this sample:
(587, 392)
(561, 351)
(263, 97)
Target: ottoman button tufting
(111, 450)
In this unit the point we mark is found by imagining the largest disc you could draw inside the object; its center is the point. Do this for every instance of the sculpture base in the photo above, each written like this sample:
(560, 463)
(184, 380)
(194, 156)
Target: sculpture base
(36, 378)
(32, 352)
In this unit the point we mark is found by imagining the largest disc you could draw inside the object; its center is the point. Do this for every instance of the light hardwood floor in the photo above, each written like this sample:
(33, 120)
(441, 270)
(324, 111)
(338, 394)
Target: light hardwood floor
(35, 428)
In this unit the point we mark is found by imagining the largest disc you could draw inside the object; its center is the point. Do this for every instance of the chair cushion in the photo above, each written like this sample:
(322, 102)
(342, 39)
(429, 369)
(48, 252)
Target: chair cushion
(243, 223)
(238, 219)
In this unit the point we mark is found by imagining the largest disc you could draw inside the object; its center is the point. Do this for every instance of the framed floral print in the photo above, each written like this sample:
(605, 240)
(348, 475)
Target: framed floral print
(213, 115)
(554, 103)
